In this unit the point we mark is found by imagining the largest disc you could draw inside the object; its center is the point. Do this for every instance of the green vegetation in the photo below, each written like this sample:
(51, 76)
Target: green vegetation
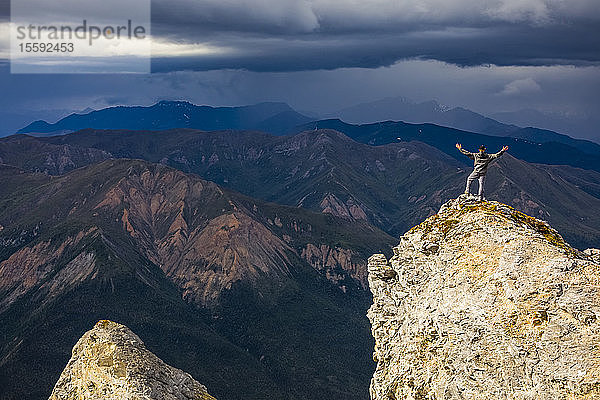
(538, 226)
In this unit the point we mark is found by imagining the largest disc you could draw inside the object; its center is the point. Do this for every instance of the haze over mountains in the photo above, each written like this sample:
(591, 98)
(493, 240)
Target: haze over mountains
(12, 121)
(530, 144)
(499, 124)
(280, 118)
(269, 117)
(580, 126)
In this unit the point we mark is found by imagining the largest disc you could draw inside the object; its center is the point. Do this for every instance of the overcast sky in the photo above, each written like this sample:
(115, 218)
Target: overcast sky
(322, 55)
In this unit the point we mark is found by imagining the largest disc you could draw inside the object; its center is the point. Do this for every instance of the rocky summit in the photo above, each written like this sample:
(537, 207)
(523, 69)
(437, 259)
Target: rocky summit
(481, 301)
(111, 362)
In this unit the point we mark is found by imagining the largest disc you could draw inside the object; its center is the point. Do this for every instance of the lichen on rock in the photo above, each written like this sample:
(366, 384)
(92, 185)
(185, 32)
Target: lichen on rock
(110, 362)
(481, 301)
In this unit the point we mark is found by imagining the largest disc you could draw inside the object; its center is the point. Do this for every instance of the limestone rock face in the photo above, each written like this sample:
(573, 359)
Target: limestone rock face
(483, 302)
(111, 362)
(594, 254)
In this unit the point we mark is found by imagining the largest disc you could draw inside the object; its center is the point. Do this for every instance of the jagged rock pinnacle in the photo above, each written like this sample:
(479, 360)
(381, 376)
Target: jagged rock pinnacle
(481, 301)
(110, 362)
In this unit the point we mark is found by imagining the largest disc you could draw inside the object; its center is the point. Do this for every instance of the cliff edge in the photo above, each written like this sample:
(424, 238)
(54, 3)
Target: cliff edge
(110, 362)
(481, 301)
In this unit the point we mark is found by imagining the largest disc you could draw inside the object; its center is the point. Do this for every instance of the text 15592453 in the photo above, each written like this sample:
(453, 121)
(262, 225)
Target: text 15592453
(34, 47)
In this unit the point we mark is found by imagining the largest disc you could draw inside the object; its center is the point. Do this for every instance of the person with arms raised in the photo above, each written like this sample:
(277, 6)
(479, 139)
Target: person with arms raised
(482, 161)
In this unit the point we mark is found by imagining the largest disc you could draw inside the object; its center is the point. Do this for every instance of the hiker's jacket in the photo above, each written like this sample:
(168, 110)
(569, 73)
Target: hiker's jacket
(481, 160)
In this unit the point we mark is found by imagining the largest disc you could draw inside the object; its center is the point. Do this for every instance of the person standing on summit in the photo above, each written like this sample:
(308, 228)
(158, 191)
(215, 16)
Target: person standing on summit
(482, 161)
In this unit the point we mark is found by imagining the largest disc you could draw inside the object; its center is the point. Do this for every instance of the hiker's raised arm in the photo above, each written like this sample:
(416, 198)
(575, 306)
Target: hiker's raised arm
(498, 154)
(465, 152)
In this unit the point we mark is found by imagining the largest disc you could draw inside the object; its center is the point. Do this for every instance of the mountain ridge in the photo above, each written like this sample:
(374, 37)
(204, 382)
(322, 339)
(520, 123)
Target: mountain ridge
(482, 301)
(402, 109)
(444, 139)
(392, 186)
(279, 118)
(125, 240)
(269, 116)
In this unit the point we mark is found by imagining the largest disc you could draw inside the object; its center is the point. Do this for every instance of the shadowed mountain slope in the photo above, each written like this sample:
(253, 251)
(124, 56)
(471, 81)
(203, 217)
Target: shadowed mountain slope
(392, 186)
(31, 154)
(253, 299)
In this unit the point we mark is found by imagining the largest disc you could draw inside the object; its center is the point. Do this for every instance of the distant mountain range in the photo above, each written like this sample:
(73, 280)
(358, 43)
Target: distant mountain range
(401, 109)
(586, 156)
(12, 121)
(581, 126)
(280, 119)
(277, 118)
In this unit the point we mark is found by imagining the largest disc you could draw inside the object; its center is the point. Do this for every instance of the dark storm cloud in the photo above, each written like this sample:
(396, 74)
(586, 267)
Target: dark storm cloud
(503, 46)
(236, 52)
(292, 35)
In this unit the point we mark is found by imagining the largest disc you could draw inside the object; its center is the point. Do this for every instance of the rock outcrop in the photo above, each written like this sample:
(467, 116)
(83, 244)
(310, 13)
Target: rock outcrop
(110, 362)
(483, 302)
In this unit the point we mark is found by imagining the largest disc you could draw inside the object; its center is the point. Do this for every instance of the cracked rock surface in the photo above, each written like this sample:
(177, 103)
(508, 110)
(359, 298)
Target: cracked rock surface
(483, 302)
(111, 362)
